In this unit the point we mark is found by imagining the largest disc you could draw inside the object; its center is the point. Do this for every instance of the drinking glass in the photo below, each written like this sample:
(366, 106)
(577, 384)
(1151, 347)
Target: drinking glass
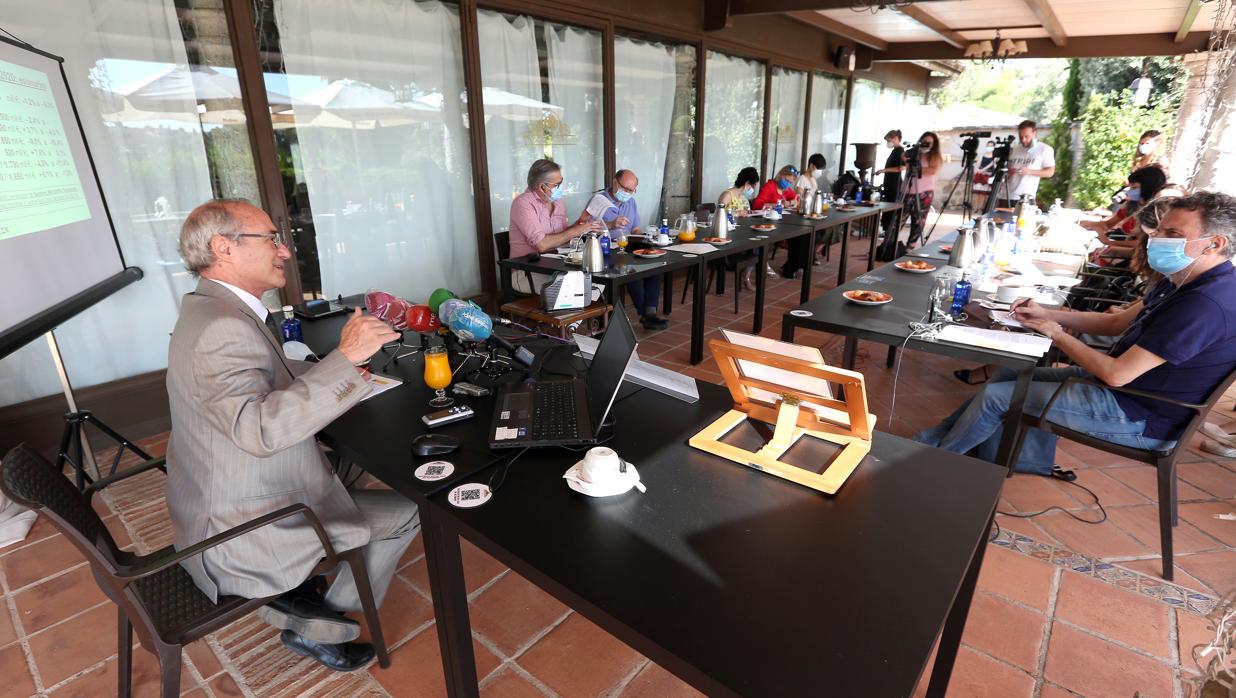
(622, 240)
(438, 375)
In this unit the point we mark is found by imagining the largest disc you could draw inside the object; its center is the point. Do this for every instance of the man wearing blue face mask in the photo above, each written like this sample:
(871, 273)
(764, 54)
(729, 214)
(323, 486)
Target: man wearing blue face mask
(539, 222)
(623, 220)
(1180, 344)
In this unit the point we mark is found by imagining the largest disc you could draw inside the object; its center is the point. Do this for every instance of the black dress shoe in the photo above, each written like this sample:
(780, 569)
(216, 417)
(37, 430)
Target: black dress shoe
(308, 615)
(652, 322)
(346, 656)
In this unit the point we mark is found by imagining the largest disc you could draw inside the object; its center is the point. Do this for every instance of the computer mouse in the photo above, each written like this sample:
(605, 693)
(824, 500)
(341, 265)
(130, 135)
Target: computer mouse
(434, 444)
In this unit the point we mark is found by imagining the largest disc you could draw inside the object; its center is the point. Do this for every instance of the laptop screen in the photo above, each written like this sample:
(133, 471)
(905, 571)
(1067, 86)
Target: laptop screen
(609, 364)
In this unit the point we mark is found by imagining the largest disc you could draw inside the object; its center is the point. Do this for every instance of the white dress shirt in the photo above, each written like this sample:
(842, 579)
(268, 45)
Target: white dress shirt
(249, 299)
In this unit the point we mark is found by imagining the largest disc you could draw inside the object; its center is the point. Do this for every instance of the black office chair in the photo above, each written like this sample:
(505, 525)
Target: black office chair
(1163, 461)
(591, 320)
(153, 593)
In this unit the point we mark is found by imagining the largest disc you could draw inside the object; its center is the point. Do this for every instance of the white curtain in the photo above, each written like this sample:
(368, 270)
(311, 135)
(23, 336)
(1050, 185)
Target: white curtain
(827, 119)
(733, 117)
(153, 172)
(785, 119)
(390, 186)
(865, 121)
(891, 115)
(575, 85)
(509, 70)
(645, 77)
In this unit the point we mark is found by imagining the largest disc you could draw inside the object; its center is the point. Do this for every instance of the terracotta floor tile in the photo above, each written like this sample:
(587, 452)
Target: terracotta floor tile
(41, 529)
(417, 574)
(510, 684)
(1217, 569)
(1111, 492)
(978, 676)
(55, 599)
(1016, 576)
(16, 672)
(577, 658)
(1003, 630)
(1154, 567)
(1029, 493)
(1142, 522)
(654, 682)
(1144, 479)
(65, 649)
(224, 686)
(1094, 667)
(1191, 631)
(416, 667)
(1051, 690)
(1099, 540)
(1027, 528)
(1112, 612)
(8, 634)
(1211, 477)
(512, 611)
(415, 549)
(1202, 515)
(1093, 457)
(402, 611)
(204, 659)
(479, 568)
(43, 559)
(102, 681)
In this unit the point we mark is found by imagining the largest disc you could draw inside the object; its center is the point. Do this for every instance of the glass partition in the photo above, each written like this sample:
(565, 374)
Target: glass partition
(543, 99)
(654, 109)
(864, 120)
(733, 117)
(785, 120)
(827, 119)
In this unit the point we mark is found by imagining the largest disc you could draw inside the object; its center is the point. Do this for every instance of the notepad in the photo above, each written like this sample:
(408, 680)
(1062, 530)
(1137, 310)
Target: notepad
(599, 205)
(1014, 342)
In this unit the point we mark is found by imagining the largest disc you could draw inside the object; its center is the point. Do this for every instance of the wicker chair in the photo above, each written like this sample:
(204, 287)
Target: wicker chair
(1163, 461)
(153, 593)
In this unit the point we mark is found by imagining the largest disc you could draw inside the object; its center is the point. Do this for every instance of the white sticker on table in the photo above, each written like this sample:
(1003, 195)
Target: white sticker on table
(434, 470)
(470, 495)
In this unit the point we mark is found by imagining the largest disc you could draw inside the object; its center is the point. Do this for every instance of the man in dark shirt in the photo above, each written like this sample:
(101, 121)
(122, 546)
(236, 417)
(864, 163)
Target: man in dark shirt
(1180, 345)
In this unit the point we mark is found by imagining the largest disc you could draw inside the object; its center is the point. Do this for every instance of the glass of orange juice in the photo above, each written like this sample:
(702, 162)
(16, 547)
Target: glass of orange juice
(438, 375)
(622, 240)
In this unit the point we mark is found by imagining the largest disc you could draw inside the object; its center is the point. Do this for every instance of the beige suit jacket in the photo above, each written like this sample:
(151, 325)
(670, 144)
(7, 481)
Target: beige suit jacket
(243, 424)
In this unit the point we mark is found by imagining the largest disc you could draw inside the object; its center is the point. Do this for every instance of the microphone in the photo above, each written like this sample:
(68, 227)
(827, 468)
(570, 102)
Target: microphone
(472, 324)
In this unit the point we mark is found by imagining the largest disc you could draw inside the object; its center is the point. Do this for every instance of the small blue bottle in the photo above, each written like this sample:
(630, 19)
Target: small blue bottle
(961, 295)
(858, 195)
(290, 327)
(778, 208)
(605, 243)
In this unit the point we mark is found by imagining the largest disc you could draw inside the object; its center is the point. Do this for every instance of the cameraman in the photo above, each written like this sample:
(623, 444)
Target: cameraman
(894, 167)
(1029, 161)
(927, 153)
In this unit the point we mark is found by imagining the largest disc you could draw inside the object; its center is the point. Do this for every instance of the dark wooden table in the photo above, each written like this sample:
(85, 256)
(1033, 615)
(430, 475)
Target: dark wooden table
(737, 582)
(889, 324)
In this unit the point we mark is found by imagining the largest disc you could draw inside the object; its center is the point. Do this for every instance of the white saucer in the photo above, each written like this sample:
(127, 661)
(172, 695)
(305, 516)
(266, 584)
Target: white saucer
(616, 486)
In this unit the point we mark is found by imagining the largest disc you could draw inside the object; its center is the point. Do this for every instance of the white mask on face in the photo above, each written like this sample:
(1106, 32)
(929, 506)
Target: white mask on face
(1145, 148)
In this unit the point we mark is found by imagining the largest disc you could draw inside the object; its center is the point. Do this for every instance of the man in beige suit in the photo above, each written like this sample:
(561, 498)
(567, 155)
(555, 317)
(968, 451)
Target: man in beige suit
(243, 423)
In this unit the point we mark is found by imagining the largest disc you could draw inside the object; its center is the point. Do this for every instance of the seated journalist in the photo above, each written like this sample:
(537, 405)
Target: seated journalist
(1179, 344)
(244, 418)
(539, 222)
(623, 220)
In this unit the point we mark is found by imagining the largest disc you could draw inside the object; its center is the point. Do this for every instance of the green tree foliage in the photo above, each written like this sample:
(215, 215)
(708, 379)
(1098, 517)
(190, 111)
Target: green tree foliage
(1109, 138)
(1104, 76)
(1060, 137)
(1027, 87)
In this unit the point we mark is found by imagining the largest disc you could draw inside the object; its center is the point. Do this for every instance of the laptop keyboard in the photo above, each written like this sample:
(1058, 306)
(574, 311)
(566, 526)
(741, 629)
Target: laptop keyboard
(553, 412)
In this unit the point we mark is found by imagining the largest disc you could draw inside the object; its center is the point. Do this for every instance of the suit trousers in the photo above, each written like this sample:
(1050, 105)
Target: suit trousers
(393, 522)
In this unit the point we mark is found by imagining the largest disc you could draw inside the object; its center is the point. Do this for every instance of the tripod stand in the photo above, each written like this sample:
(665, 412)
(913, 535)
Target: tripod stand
(912, 210)
(966, 177)
(998, 179)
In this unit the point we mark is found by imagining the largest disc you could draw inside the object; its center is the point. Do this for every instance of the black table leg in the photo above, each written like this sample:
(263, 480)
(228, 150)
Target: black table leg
(950, 638)
(761, 282)
(805, 295)
(450, 605)
(850, 353)
(845, 244)
(508, 291)
(892, 356)
(1005, 455)
(787, 331)
(874, 223)
(667, 290)
(697, 313)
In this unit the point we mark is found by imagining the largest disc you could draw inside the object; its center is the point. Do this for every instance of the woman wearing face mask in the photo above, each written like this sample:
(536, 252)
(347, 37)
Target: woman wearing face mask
(924, 187)
(894, 167)
(809, 180)
(737, 199)
(1149, 151)
(778, 190)
(1143, 186)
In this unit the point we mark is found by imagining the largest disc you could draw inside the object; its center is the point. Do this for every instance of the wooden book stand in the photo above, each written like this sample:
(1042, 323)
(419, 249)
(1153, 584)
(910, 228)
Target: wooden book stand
(844, 421)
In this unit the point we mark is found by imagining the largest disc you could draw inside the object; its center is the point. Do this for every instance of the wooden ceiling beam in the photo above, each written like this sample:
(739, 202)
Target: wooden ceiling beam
(845, 31)
(1047, 16)
(1189, 17)
(929, 20)
(765, 7)
(1160, 44)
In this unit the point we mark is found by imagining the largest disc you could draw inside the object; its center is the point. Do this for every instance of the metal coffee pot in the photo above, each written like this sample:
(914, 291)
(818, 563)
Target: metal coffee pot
(721, 224)
(815, 205)
(966, 249)
(593, 260)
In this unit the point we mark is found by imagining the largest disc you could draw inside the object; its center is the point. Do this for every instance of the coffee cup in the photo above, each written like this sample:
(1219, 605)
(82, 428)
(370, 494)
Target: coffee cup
(600, 465)
(1008, 294)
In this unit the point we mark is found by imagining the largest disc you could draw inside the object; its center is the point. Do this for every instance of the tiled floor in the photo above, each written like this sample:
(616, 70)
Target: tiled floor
(1063, 608)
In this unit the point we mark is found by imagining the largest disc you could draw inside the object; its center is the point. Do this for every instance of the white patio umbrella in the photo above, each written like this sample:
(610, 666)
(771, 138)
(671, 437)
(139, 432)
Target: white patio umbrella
(351, 103)
(511, 106)
(201, 84)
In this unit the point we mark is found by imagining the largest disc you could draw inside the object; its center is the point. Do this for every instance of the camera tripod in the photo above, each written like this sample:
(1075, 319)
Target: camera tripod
(967, 178)
(912, 209)
(999, 178)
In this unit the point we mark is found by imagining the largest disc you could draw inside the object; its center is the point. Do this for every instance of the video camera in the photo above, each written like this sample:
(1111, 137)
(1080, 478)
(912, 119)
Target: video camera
(969, 146)
(1002, 151)
(914, 158)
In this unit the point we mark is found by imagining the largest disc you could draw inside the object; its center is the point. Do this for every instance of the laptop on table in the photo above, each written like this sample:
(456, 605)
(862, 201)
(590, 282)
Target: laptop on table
(565, 412)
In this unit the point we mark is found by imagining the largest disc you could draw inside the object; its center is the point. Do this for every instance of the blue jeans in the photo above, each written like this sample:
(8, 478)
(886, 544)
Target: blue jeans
(977, 425)
(644, 295)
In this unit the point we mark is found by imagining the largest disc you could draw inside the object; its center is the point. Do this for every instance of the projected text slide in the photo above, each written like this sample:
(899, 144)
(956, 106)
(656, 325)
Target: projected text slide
(39, 186)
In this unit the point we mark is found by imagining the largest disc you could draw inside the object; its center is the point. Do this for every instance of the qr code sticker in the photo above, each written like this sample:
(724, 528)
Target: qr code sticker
(435, 470)
(466, 495)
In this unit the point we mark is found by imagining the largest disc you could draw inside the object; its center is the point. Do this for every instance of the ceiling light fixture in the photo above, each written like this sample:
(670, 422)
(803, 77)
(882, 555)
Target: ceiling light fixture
(997, 49)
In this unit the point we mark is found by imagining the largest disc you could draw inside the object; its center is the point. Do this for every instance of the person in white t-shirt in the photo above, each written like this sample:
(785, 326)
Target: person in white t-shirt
(1031, 160)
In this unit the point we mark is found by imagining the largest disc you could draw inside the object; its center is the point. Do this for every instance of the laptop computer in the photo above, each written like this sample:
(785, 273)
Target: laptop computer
(565, 412)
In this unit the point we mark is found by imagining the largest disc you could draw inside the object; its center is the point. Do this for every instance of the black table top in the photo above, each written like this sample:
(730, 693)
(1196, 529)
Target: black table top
(932, 249)
(890, 323)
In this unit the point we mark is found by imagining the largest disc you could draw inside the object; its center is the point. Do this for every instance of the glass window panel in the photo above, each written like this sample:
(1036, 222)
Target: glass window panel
(892, 115)
(543, 99)
(654, 86)
(160, 146)
(864, 119)
(785, 119)
(374, 144)
(733, 117)
(827, 119)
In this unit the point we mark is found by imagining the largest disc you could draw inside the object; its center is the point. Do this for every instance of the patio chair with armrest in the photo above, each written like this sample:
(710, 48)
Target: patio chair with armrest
(1163, 461)
(589, 320)
(153, 593)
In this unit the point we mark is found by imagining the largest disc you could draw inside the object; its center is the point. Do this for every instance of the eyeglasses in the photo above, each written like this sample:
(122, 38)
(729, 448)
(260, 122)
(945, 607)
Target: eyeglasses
(273, 236)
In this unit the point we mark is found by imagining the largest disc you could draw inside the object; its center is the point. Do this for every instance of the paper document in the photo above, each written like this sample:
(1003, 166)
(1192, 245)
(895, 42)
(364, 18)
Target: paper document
(692, 248)
(380, 384)
(1005, 318)
(779, 376)
(650, 376)
(599, 205)
(1015, 342)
